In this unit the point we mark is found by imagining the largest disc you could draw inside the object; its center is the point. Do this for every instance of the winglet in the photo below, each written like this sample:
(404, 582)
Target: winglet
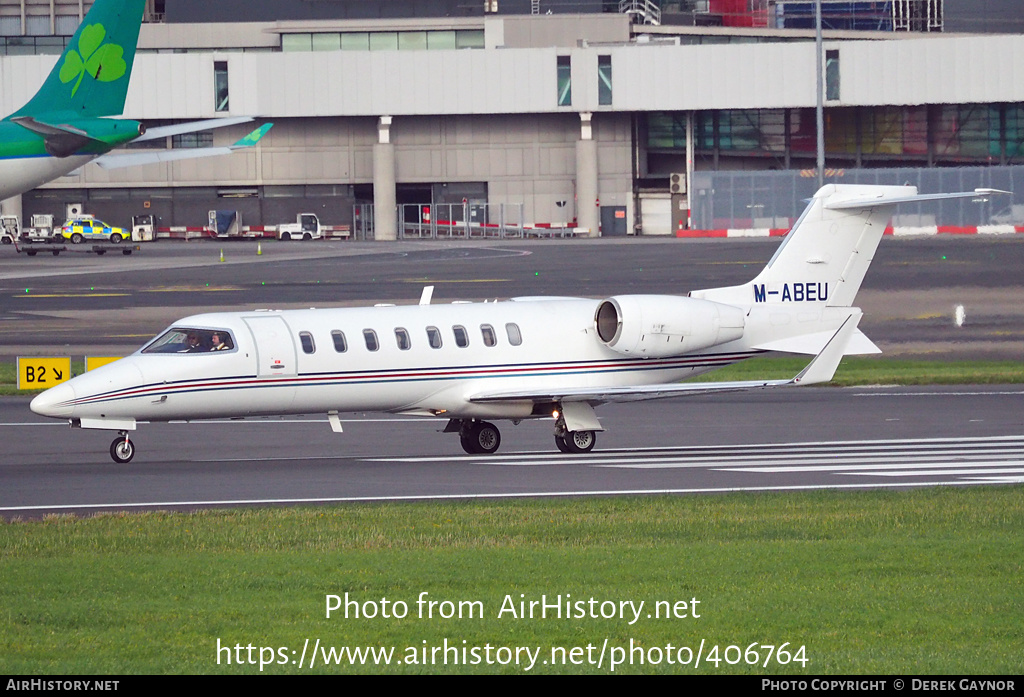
(254, 137)
(823, 367)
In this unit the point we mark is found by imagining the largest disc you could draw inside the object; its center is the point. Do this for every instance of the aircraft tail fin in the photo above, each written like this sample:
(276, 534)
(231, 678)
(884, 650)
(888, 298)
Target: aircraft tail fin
(91, 77)
(825, 256)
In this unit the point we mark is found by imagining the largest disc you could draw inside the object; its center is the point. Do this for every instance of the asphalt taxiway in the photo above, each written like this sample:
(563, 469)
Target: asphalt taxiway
(781, 439)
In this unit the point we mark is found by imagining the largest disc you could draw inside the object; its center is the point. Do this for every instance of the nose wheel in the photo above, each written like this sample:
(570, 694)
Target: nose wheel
(122, 450)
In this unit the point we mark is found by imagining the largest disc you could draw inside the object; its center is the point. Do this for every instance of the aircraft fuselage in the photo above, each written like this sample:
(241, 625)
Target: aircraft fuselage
(420, 359)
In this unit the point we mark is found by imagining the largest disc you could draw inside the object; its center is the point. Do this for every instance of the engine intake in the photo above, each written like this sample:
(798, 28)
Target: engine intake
(658, 326)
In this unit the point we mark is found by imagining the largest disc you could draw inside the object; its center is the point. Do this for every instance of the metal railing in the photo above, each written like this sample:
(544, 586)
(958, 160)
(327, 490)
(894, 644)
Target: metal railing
(460, 220)
(642, 11)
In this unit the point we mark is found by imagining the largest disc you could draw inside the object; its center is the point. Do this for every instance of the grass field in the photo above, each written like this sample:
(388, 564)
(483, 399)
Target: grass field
(908, 582)
(922, 582)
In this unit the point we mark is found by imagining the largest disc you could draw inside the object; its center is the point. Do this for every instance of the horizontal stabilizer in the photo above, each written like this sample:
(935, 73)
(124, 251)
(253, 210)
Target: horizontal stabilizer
(133, 159)
(149, 157)
(870, 201)
(812, 344)
(191, 127)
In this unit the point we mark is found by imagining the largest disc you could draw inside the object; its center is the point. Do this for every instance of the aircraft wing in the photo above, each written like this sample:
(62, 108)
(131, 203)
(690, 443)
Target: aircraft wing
(190, 127)
(821, 369)
(147, 157)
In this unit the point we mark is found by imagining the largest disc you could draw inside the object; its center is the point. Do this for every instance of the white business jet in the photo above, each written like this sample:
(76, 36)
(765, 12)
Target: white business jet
(525, 358)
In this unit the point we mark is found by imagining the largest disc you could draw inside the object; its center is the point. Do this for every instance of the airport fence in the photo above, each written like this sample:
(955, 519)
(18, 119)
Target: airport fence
(741, 200)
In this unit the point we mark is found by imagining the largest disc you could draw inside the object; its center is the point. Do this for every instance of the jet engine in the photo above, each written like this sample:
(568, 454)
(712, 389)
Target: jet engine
(658, 326)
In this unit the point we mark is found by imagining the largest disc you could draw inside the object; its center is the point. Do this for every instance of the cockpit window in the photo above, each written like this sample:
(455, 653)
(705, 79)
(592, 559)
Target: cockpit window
(187, 340)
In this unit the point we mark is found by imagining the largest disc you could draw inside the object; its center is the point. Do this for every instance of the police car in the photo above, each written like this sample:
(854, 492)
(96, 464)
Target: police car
(79, 230)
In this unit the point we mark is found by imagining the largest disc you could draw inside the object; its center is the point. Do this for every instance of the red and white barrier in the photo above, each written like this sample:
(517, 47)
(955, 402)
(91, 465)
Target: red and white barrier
(895, 231)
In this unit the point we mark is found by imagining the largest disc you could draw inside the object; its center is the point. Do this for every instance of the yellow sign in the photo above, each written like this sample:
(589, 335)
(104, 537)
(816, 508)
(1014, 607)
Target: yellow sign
(93, 362)
(40, 373)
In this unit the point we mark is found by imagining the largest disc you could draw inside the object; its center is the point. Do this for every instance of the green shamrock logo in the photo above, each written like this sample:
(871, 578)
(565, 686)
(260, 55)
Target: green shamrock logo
(104, 62)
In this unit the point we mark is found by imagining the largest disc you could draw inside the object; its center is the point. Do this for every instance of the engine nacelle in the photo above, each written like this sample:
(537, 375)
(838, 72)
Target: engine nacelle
(657, 326)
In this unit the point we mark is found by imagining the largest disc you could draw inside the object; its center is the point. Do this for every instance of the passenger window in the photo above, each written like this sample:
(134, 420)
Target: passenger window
(488, 333)
(434, 337)
(514, 336)
(306, 339)
(370, 337)
(461, 336)
(339, 341)
(402, 337)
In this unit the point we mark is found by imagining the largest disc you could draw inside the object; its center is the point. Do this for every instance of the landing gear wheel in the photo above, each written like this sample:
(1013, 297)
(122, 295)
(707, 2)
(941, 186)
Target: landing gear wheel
(580, 441)
(122, 450)
(481, 438)
(562, 446)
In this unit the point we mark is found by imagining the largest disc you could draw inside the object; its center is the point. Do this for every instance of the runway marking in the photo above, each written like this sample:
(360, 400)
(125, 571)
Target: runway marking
(70, 295)
(732, 451)
(456, 280)
(192, 289)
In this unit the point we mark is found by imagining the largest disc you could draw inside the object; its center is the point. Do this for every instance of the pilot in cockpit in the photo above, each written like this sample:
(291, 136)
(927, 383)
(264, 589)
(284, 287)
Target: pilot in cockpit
(218, 342)
(192, 344)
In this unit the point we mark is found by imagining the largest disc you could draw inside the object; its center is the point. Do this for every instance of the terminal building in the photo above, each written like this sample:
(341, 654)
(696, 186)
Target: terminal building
(612, 118)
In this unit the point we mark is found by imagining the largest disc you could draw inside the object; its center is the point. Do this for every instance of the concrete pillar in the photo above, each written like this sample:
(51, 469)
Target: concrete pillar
(588, 213)
(385, 219)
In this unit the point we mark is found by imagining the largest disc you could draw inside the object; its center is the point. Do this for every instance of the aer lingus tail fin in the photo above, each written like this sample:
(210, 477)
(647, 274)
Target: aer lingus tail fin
(91, 77)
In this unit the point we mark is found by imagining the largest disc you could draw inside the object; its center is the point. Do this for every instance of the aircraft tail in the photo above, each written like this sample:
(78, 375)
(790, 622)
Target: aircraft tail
(826, 254)
(809, 286)
(91, 77)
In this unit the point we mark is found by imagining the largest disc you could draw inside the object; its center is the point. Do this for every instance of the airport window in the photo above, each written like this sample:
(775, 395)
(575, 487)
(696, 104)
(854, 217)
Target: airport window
(220, 85)
(355, 41)
(199, 139)
(434, 337)
(327, 41)
(370, 337)
(604, 80)
(515, 337)
(297, 42)
(384, 41)
(461, 336)
(412, 41)
(487, 331)
(402, 337)
(832, 75)
(340, 345)
(306, 339)
(564, 81)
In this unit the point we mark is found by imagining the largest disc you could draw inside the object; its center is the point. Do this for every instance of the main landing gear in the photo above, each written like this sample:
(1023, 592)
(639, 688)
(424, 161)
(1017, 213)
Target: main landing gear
(483, 438)
(122, 450)
(479, 437)
(576, 441)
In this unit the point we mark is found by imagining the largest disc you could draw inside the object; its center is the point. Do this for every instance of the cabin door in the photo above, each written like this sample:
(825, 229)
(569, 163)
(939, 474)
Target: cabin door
(275, 347)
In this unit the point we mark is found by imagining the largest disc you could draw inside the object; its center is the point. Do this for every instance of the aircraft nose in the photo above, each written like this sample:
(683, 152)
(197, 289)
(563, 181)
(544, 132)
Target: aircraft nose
(56, 402)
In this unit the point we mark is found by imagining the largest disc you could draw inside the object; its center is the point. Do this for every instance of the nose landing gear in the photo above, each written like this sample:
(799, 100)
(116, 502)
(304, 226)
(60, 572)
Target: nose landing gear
(122, 450)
